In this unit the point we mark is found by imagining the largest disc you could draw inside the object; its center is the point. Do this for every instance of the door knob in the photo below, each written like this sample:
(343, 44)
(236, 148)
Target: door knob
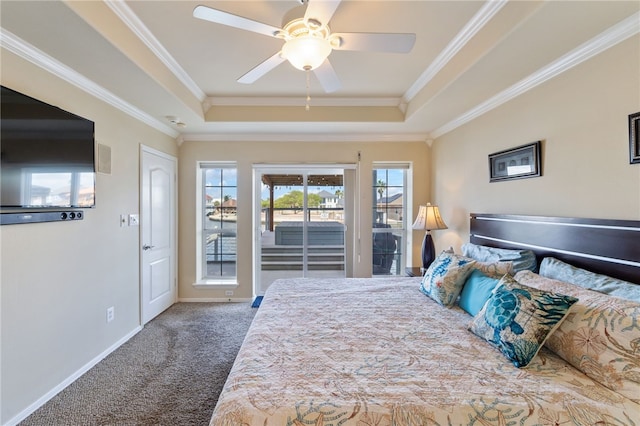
(147, 247)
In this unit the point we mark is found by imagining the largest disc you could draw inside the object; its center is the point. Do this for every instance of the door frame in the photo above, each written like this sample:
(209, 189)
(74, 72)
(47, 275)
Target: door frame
(350, 216)
(144, 149)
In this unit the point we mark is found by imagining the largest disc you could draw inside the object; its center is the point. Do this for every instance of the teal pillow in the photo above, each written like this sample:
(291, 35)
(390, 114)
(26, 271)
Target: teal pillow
(556, 269)
(521, 259)
(518, 319)
(476, 291)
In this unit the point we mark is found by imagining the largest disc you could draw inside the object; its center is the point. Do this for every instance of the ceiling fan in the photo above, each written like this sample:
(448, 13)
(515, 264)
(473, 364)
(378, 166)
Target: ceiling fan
(308, 41)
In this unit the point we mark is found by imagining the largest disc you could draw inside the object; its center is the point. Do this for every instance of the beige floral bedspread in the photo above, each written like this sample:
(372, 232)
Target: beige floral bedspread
(368, 352)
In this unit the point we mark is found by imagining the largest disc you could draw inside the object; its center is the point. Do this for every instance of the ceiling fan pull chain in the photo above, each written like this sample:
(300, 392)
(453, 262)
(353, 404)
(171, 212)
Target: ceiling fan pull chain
(307, 106)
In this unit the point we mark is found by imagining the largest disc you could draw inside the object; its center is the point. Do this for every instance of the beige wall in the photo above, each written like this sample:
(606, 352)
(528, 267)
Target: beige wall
(246, 154)
(581, 117)
(58, 278)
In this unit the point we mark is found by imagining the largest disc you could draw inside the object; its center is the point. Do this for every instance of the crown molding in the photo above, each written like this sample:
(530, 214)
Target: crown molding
(131, 20)
(477, 22)
(605, 40)
(303, 137)
(297, 100)
(32, 54)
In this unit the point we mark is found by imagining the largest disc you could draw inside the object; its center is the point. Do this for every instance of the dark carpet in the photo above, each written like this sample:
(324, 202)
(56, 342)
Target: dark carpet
(170, 373)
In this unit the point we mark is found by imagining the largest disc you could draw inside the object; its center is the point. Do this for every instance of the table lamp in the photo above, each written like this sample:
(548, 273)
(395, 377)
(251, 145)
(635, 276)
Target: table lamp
(428, 218)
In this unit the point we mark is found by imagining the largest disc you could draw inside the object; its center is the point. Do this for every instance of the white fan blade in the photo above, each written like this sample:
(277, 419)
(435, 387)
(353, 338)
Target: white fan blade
(262, 69)
(321, 10)
(327, 77)
(376, 42)
(231, 20)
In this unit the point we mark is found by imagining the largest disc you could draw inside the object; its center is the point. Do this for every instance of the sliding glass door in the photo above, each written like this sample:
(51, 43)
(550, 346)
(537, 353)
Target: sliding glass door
(300, 223)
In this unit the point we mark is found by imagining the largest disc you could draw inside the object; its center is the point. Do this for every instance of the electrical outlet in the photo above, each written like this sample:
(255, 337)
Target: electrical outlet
(228, 293)
(111, 314)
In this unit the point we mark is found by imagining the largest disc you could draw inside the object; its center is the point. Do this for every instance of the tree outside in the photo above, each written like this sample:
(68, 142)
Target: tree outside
(294, 200)
(382, 186)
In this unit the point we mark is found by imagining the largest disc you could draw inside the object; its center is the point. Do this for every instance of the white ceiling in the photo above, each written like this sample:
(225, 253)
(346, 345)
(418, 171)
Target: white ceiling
(153, 59)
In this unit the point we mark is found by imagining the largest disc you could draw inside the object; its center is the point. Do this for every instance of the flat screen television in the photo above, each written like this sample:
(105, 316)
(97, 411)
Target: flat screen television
(47, 155)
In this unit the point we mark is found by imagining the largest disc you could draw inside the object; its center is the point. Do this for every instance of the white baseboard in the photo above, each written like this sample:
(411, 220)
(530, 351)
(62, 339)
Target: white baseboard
(214, 299)
(66, 382)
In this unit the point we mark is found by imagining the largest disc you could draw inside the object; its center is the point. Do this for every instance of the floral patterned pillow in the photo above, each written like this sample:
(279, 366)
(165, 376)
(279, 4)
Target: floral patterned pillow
(495, 269)
(445, 277)
(518, 319)
(600, 336)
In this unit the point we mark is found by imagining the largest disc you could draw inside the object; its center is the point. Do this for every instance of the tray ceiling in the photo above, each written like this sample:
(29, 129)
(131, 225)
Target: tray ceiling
(154, 60)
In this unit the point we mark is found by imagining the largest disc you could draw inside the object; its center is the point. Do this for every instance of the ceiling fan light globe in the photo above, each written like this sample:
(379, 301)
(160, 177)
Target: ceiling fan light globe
(306, 52)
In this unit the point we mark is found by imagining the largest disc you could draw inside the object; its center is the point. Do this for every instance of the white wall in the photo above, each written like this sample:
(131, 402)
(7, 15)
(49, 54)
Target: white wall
(59, 278)
(582, 118)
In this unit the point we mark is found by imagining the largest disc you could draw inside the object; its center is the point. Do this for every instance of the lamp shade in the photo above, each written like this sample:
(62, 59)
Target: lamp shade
(306, 52)
(429, 218)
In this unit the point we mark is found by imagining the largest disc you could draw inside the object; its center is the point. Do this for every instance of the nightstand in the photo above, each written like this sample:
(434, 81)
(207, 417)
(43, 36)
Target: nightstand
(414, 271)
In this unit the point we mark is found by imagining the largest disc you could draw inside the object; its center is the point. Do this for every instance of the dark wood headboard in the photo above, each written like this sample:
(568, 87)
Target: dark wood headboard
(610, 247)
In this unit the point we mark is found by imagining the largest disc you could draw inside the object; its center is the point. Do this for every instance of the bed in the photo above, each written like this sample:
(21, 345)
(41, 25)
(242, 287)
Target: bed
(379, 351)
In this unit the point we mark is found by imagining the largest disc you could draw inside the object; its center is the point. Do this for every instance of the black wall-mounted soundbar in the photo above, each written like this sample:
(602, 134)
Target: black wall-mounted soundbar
(35, 217)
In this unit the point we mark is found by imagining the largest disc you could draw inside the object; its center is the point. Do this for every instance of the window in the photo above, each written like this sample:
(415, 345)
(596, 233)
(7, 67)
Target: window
(217, 211)
(389, 218)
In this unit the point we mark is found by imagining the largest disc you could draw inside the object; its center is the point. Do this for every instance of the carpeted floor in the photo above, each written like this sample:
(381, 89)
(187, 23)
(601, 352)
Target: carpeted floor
(170, 373)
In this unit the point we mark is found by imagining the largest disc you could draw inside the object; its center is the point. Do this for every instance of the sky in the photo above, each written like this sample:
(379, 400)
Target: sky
(392, 178)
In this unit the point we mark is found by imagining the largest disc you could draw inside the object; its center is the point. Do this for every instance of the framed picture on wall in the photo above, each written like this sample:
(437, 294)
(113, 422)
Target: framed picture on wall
(515, 163)
(634, 136)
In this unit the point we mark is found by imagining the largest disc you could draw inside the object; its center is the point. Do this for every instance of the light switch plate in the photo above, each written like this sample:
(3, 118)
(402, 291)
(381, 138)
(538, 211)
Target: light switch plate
(134, 220)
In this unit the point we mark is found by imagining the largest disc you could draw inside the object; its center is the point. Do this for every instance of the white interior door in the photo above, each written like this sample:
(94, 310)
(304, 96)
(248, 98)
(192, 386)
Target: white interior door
(158, 225)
